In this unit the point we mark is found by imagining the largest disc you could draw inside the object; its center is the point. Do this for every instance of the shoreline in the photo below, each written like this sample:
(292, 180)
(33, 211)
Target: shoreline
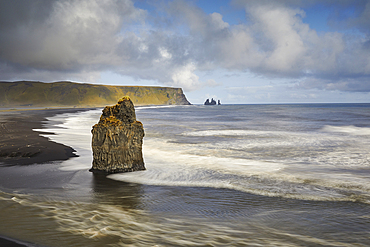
(20, 145)
(9, 242)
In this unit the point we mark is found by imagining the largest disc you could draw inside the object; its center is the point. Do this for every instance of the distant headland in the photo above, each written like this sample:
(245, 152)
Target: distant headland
(72, 94)
(212, 102)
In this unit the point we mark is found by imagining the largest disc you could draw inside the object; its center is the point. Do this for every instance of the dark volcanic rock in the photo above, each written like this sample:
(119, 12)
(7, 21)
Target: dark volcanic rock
(212, 102)
(117, 139)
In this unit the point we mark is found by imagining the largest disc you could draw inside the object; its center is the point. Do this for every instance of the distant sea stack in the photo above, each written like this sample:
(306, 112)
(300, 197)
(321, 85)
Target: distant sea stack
(117, 139)
(212, 102)
(71, 94)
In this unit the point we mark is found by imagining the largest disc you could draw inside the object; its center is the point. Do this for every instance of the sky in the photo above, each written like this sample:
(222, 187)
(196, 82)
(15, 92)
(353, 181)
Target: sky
(236, 51)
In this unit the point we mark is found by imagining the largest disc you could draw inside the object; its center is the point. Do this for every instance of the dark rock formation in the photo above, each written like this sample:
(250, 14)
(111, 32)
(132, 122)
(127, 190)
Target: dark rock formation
(117, 139)
(212, 102)
(219, 102)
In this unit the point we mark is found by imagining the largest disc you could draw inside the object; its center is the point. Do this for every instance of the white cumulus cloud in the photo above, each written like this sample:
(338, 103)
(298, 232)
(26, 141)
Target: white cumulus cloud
(81, 38)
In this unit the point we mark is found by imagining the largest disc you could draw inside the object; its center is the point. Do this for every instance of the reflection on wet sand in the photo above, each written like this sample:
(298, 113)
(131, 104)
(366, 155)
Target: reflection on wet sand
(108, 191)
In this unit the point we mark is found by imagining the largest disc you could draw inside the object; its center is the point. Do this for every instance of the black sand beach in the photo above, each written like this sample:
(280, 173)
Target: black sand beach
(10, 243)
(20, 145)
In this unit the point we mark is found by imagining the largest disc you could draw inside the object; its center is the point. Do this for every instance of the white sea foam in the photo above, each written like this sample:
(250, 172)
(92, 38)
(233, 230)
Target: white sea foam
(170, 164)
(350, 130)
(230, 133)
(220, 165)
(103, 224)
(74, 131)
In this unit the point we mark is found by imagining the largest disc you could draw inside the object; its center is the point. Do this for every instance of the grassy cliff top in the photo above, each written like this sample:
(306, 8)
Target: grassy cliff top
(72, 94)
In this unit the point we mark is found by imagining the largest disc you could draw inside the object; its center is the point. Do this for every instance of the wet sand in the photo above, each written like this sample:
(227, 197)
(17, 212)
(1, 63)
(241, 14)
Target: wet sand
(20, 145)
(4, 242)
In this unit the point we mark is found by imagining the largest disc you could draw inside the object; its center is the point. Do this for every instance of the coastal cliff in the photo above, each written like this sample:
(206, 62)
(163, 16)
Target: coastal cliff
(70, 94)
(117, 139)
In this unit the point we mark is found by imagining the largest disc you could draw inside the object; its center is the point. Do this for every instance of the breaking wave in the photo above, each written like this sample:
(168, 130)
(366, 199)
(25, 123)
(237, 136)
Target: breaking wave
(293, 165)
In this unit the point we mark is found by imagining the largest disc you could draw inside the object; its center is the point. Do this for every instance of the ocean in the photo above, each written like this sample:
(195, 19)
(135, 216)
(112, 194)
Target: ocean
(228, 175)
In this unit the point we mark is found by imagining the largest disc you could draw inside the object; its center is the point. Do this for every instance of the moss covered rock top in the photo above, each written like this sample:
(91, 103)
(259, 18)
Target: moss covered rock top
(122, 112)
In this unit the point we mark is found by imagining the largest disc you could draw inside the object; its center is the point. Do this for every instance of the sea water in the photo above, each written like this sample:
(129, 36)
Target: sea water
(229, 175)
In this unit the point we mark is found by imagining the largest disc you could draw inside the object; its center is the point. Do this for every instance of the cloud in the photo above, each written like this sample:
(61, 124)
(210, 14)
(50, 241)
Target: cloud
(84, 37)
(81, 38)
(184, 77)
(360, 84)
(73, 35)
(278, 43)
(274, 43)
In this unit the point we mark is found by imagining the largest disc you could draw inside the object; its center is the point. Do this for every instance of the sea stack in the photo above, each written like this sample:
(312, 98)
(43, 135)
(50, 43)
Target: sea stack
(117, 139)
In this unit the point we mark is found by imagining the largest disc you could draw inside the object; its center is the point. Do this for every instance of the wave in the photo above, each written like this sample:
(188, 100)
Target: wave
(220, 166)
(74, 130)
(137, 108)
(100, 224)
(172, 165)
(350, 130)
(228, 133)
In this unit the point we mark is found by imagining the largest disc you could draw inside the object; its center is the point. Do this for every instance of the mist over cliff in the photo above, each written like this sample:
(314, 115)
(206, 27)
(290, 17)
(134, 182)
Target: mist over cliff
(71, 94)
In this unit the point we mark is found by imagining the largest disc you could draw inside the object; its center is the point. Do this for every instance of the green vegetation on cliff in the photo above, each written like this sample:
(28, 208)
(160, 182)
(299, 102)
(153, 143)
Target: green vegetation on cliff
(67, 94)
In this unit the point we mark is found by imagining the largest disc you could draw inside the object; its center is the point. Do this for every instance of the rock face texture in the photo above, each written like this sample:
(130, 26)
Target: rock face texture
(117, 139)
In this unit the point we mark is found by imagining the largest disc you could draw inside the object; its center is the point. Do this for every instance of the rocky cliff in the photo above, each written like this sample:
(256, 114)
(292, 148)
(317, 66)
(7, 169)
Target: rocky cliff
(117, 139)
(70, 94)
